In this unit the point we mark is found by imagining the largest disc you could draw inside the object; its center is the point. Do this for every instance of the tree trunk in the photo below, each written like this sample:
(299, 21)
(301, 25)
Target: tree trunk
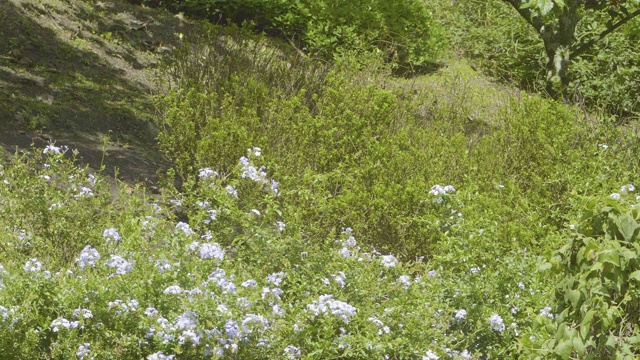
(558, 39)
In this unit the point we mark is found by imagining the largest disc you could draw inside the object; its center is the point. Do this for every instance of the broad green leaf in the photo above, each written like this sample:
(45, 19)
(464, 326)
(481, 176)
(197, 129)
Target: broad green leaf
(627, 226)
(578, 345)
(564, 349)
(572, 296)
(609, 256)
(585, 325)
(596, 267)
(635, 275)
(545, 6)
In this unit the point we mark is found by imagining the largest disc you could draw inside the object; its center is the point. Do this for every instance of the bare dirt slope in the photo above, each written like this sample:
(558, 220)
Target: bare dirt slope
(81, 73)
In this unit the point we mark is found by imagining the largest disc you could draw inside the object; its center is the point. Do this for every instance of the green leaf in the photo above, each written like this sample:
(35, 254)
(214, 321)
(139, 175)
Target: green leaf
(564, 349)
(578, 345)
(635, 275)
(545, 6)
(611, 257)
(627, 226)
(545, 266)
(572, 296)
(585, 325)
(596, 267)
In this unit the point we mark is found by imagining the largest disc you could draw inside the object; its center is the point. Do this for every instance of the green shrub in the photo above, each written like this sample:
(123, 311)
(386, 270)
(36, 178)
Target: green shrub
(606, 77)
(403, 32)
(596, 310)
(244, 283)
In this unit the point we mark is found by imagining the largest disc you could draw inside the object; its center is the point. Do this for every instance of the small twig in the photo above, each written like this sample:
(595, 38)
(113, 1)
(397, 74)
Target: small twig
(300, 52)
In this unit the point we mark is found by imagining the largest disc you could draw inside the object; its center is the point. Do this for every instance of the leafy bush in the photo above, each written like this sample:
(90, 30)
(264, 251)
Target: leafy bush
(404, 32)
(596, 311)
(616, 61)
(353, 154)
(236, 282)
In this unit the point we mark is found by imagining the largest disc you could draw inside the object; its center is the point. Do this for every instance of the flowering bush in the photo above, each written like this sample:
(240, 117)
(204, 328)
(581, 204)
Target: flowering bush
(240, 284)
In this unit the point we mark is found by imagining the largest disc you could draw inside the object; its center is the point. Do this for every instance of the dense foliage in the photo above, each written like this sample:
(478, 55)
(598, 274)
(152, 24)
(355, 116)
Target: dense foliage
(330, 210)
(504, 45)
(402, 31)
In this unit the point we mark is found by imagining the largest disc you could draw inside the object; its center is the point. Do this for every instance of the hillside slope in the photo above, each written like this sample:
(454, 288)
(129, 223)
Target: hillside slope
(81, 73)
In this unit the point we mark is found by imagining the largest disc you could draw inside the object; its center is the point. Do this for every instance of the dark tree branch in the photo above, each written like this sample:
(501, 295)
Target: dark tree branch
(527, 14)
(584, 47)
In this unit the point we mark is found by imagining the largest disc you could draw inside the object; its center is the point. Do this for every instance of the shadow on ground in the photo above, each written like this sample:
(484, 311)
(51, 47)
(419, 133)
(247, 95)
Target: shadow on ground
(82, 73)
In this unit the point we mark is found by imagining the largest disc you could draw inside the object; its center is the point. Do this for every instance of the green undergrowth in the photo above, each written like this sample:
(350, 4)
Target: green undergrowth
(402, 32)
(330, 210)
(356, 147)
(240, 280)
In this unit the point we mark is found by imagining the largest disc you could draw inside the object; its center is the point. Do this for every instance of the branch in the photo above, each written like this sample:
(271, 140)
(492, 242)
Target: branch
(527, 14)
(584, 47)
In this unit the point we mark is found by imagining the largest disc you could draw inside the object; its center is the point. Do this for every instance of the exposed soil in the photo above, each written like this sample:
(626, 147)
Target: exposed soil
(82, 73)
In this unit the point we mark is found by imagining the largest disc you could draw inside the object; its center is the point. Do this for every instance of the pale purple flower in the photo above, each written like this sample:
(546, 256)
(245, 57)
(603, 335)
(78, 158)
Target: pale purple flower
(496, 323)
(151, 311)
(63, 323)
(206, 173)
(82, 313)
(277, 310)
(163, 265)
(340, 278)
(85, 191)
(292, 352)
(88, 257)
(276, 278)
(389, 261)
(430, 356)
(111, 235)
(188, 320)
(185, 228)
(232, 191)
(213, 214)
(255, 151)
(547, 312)
(328, 306)
(160, 356)
(33, 265)
(173, 290)
(122, 306)
(249, 283)
(627, 188)
(276, 292)
(211, 251)
(121, 265)
(83, 350)
(52, 149)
